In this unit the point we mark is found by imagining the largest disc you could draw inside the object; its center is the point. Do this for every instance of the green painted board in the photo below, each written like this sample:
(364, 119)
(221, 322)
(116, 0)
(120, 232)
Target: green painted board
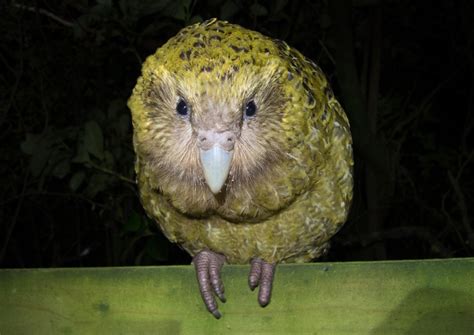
(397, 297)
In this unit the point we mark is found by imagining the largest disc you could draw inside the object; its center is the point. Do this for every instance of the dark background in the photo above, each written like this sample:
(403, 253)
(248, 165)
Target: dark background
(403, 70)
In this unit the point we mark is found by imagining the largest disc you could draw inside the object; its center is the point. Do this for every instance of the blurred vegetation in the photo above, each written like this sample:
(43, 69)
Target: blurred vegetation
(67, 68)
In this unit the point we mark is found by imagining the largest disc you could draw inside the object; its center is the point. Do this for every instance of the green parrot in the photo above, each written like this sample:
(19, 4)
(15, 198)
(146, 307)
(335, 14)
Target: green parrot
(243, 154)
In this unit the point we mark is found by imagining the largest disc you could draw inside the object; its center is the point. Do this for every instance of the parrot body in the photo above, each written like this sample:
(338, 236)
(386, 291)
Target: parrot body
(281, 185)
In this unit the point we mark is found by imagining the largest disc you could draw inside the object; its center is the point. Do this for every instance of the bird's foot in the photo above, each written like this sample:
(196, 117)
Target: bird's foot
(208, 266)
(261, 274)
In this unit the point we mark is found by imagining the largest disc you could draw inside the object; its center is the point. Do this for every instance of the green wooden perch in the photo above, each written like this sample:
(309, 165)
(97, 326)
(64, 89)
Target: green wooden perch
(399, 297)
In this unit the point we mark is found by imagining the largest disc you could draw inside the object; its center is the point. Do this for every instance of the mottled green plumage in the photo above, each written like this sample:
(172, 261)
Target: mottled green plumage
(290, 183)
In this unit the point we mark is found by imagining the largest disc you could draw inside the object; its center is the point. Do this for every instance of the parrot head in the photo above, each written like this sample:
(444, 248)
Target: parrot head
(221, 115)
(219, 131)
(208, 110)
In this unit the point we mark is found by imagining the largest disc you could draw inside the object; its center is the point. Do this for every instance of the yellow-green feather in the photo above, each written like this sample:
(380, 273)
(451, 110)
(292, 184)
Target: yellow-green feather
(297, 202)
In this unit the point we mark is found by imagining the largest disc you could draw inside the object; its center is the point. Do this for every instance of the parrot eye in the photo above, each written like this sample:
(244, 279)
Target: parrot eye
(250, 109)
(182, 108)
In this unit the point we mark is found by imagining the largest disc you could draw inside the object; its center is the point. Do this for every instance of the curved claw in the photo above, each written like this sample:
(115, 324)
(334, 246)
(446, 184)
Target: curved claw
(208, 267)
(261, 274)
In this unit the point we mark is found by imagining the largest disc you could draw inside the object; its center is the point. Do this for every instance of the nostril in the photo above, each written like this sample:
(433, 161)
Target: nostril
(207, 139)
(230, 138)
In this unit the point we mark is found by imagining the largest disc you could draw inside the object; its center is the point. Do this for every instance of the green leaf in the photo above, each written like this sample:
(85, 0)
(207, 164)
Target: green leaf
(93, 139)
(46, 153)
(62, 168)
(179, 13)
(76, 180)
(279, 5)
(98, 183)
(82, 156)
(258, 10)
(228, 10)
(195, 19)
(178, 10)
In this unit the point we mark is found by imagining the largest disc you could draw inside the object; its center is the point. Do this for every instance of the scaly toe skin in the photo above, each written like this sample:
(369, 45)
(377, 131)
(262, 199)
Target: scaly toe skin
(208, 267)
(255, 272)
(261, 274)
(266, 282)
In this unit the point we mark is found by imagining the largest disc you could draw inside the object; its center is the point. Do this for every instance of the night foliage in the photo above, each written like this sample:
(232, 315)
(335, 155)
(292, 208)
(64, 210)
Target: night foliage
(67, 68)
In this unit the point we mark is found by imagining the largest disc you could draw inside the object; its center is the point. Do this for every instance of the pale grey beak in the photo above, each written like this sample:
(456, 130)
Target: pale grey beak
(216, 165)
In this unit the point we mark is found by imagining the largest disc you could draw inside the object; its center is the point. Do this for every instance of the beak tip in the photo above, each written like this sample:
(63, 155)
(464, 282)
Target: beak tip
(216, 165)
(215, 189)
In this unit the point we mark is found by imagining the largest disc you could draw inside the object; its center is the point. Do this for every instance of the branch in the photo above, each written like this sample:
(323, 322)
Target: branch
(112, 173)
(45, 13)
